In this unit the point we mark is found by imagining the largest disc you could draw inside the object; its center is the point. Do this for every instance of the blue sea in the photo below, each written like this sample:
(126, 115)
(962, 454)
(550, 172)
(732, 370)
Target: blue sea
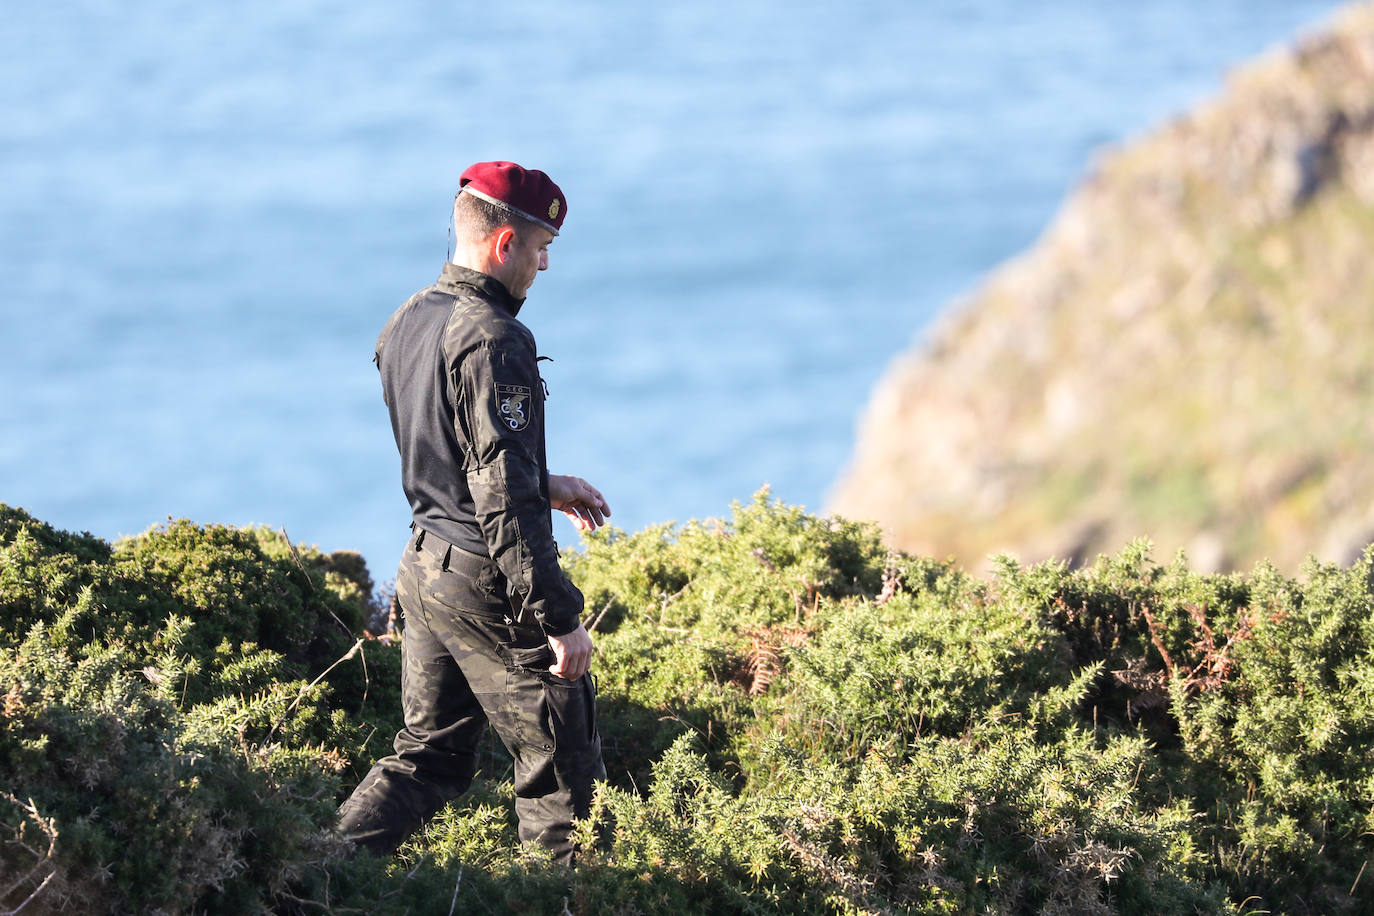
(207, 211)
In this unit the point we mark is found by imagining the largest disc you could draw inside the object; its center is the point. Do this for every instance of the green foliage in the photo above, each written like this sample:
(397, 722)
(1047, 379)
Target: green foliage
(1290, 731)
(889, 674)
(156, 808)
(771, 565)
(795, 721)
(159, 710)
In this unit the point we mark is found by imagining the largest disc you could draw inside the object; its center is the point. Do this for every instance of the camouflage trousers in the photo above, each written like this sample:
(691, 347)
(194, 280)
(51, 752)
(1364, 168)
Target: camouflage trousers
(466, 663)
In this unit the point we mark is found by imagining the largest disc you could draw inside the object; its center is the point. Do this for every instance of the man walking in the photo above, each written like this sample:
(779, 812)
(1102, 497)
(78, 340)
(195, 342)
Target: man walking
(492, 629)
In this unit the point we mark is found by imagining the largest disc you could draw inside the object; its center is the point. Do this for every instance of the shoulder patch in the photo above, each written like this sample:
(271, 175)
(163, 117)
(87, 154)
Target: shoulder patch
(513, 406)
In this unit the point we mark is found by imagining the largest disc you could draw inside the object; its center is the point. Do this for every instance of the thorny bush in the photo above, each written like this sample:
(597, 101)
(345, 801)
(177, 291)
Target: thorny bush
(796, 720)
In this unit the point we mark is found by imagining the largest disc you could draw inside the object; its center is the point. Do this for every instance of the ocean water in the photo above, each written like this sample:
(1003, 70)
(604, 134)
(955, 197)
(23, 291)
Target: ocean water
(207, 211)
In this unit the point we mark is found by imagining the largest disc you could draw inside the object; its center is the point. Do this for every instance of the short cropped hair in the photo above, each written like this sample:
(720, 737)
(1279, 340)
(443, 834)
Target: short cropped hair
(474, 219)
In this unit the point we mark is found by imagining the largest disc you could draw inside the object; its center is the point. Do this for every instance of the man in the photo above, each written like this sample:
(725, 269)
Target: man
(492, 629)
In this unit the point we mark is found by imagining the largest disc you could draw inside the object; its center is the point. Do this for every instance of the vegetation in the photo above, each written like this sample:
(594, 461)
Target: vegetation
(796, 720)
(1184, 353)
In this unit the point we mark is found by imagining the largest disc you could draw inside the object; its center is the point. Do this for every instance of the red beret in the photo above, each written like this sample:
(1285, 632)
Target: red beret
(525, 192)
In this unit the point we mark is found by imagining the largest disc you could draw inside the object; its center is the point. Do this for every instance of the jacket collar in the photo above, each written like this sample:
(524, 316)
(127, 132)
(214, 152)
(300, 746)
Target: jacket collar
(456, 280)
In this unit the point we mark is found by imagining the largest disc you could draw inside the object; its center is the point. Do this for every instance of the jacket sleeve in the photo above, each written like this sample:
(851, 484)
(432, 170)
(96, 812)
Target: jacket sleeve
(500, 416)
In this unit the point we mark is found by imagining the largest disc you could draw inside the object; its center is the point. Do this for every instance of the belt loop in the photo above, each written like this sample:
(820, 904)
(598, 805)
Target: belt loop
(419, 540)
(447, 553)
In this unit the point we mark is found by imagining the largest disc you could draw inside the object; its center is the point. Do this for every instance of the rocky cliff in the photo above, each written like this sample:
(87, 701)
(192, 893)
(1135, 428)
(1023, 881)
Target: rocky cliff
(1187, 354)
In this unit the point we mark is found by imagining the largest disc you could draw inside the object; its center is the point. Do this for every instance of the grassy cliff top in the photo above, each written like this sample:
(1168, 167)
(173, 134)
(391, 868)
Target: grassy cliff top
(1186, 354)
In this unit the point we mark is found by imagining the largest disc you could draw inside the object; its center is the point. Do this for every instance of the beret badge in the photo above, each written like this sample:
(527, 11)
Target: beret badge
(554, 208)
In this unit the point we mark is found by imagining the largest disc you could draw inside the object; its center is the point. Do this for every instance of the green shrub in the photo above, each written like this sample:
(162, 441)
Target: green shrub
(157, 712)
(156, 809)
(794, 719)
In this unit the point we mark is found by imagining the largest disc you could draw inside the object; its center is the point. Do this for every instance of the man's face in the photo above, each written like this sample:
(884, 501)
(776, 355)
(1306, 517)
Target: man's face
(528, 253)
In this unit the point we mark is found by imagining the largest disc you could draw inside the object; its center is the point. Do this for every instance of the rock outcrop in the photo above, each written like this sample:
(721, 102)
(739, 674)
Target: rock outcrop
(1187, 354)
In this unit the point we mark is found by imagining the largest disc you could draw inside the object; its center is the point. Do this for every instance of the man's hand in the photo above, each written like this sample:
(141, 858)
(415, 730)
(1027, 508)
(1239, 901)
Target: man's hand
(579, 501)
(572, 653)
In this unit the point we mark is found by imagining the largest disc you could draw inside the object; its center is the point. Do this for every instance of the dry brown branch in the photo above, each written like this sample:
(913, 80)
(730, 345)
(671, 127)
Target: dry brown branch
(666, 599)
(1213, 663)
(600, 615)
(1157, 640)
(892, 579)
(393, 617)
(813, 599)
(300, 564)
(828, 867)
(326, 907)
(384, 615)
(357, 647)
(45, 860)
(457, 884)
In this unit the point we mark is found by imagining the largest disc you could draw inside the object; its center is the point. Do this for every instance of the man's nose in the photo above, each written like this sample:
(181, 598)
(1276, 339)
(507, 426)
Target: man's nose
(543, 261)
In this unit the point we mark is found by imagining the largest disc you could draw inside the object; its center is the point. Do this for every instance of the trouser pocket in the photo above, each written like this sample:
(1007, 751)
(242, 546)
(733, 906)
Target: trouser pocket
(531, 658)
(553, 716)
(572, 712)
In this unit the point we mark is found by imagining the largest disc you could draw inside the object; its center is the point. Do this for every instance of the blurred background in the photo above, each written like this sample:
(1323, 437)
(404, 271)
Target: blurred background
(209, 210)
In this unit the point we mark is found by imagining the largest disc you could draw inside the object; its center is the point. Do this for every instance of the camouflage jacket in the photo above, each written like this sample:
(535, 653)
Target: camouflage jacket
(460, 378)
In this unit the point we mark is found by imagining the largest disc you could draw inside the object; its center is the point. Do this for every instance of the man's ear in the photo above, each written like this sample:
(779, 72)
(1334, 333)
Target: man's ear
(501, 244)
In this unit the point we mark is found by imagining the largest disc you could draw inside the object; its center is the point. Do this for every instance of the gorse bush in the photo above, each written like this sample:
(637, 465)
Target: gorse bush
(158, 711)
(796, 720)
(154, 809)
